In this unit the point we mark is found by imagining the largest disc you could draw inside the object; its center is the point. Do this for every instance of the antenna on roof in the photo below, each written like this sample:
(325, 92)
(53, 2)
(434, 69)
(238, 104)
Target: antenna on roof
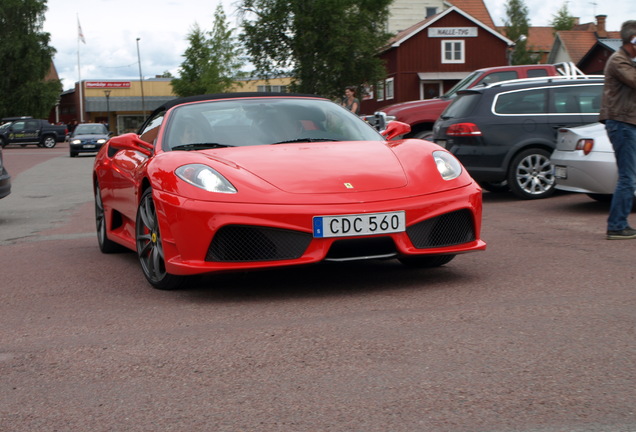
(594, 4)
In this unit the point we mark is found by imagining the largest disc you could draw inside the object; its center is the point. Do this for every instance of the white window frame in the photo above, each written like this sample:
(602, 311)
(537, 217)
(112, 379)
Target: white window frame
(458, 45)
(389, 88)
(380, 90)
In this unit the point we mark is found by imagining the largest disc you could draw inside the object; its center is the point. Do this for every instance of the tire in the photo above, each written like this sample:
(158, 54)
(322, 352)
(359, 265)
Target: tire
(150, 247)
(105, 245)
(423, 135)
(73, 154)
(426, 261)
(531, 174)
(48, 142)
(495, 187)
(3, 144)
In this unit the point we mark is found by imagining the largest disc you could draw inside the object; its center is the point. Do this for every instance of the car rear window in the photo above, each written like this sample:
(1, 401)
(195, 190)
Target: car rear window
(533, 73)
(462, 106)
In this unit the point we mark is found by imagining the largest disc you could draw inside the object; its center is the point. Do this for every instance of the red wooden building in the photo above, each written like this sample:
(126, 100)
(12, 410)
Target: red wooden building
(430, 57)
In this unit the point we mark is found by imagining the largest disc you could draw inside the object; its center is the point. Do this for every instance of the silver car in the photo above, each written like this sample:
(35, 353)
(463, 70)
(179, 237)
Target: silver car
(584, 161)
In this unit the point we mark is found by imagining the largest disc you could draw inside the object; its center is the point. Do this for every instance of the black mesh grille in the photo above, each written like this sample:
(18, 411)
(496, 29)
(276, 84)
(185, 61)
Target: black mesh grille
(444, 230)
(253, 243)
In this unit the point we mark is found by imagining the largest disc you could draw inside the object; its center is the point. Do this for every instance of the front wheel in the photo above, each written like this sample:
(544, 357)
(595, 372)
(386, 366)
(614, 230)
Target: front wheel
(150, 246)
(426, 261)
(48, 142)
(531, 174)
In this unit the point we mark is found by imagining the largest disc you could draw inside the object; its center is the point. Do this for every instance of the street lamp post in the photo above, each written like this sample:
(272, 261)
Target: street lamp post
(107, 94)
(141, 81)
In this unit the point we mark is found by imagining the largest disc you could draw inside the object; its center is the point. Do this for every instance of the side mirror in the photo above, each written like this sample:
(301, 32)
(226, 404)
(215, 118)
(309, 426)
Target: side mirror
(395, 129)
(131, 141)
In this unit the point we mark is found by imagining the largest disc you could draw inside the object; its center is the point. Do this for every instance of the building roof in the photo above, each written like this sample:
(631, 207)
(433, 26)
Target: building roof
(404, 35)
(476, 9)
(576, 43)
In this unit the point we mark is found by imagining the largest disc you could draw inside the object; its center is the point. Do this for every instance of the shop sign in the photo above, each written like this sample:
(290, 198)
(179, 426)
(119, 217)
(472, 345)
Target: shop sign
(108, 84)
(452, 32)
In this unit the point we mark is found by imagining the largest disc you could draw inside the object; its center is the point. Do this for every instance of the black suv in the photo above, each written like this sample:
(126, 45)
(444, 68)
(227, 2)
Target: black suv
(504, 133)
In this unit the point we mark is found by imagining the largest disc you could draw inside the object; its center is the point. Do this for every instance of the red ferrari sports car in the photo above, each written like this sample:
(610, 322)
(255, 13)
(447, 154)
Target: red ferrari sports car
(251, 180)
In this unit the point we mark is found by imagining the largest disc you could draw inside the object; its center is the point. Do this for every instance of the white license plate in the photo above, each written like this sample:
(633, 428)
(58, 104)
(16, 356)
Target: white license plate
(88, 146)
(561, 172)
(359, 224)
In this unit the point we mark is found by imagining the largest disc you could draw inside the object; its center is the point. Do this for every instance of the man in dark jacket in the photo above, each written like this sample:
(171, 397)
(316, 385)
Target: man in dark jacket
(618, 112)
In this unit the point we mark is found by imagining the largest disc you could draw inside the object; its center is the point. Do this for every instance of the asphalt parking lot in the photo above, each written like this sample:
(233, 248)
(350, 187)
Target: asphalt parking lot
(537, 333)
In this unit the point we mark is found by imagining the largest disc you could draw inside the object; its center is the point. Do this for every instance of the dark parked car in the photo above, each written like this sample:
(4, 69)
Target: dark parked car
(504, 133)
(87, 138)
(5, 179)
(27, 130)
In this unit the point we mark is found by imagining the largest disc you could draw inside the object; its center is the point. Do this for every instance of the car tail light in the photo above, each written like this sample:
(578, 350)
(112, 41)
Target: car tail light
(585, 144)
(463, 129)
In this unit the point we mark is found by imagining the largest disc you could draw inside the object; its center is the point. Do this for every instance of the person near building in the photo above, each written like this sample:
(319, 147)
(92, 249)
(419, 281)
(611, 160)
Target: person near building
(350, 101)
(618, 113)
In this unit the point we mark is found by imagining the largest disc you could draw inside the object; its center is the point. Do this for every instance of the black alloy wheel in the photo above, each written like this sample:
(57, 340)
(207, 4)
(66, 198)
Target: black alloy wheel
(150, 246)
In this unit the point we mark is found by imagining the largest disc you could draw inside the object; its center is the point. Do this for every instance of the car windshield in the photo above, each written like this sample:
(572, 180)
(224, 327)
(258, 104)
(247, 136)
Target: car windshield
(262, 121)
(90, 129)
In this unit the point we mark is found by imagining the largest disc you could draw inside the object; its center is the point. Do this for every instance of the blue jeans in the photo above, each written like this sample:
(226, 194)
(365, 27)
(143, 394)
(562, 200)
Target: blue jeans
(623, 139)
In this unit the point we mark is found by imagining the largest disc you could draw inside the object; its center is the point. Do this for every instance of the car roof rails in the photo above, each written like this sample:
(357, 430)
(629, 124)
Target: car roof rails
(546, 79)
(568, 69)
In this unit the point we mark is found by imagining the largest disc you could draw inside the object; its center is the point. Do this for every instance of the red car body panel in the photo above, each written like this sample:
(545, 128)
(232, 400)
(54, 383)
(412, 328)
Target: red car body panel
(279, 186)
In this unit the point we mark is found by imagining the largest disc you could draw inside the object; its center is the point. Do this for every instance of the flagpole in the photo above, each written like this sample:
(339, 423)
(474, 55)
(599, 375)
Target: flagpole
(79, 71)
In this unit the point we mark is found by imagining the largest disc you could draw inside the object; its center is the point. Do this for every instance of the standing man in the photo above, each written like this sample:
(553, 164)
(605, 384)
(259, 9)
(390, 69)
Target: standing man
(618, 112)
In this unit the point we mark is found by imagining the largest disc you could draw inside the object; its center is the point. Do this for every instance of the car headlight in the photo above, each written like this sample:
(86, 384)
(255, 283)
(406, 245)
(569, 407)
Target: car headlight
(447, 165)
(101, 141)
(204, 177)
(76, 141)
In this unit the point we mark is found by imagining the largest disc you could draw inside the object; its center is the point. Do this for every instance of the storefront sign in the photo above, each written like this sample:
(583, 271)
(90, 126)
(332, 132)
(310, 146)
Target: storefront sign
(108, 84)
(452, 32)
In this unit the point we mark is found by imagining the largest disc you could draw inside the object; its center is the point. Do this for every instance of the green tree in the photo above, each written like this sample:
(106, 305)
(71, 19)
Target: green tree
(516, 27)
(562, 20)
(325, 45)
(26, 59)
(212, 62)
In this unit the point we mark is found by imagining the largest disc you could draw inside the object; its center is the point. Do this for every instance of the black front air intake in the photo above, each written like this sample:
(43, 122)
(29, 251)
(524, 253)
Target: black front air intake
(241, 243)
(445, 230)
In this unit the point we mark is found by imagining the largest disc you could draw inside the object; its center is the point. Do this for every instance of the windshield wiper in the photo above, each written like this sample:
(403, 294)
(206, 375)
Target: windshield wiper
(299, 140)
(200, 146)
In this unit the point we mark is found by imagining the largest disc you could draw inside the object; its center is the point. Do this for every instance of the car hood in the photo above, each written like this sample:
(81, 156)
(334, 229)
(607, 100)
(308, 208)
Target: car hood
(89, 137)
(320, 168)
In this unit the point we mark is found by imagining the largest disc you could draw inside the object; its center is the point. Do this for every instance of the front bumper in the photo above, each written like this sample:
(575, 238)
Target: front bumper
(85, 147)
(189, 227)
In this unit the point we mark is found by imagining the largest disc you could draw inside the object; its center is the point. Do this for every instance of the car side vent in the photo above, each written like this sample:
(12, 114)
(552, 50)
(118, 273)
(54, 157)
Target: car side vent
(242, 243)
(445, 230)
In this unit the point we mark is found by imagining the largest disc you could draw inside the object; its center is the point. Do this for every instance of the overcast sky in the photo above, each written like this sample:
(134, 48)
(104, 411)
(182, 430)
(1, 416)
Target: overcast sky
(111, 29)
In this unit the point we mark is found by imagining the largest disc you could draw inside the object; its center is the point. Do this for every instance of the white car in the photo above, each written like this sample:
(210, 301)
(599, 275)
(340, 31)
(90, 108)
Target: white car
(584, 161)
